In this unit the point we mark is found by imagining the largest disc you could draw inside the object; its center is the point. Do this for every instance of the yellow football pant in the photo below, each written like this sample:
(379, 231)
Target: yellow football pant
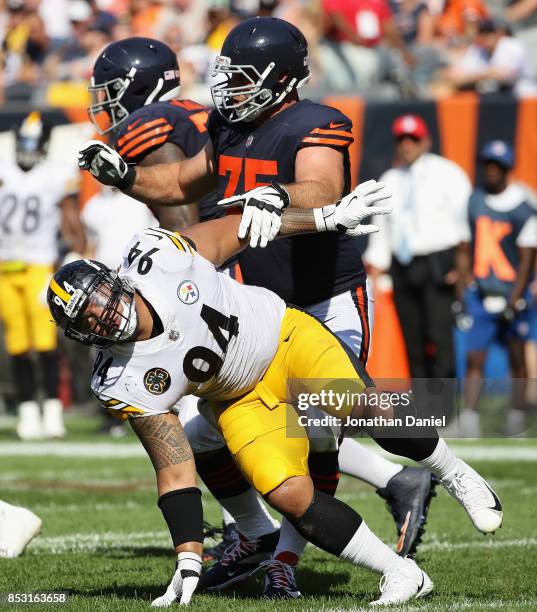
(254, 426)
(24, 312)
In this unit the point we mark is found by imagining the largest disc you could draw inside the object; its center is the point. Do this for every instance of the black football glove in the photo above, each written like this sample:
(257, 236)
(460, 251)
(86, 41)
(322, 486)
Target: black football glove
(106, 165)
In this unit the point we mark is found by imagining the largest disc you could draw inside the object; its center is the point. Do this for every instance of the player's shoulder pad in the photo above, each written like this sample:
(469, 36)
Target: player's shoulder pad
(183, 122)
(144, 130)
(171, 239)
(319, 125)
(160, 248)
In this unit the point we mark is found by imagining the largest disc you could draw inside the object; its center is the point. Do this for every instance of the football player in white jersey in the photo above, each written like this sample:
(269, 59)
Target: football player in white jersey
(168, 324)
(36, 200)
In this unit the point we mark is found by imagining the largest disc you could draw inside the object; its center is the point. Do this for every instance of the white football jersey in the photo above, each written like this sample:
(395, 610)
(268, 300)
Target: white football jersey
(219, 336)
(29, 212)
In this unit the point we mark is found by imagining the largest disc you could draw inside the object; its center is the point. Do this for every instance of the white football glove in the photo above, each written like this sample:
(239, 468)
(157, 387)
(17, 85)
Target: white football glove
(347, 215)
(106, 165)
(262, 212)
(184, 581)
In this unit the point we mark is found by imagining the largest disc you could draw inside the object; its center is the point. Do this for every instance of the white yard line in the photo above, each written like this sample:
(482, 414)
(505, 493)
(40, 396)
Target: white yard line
(96, 450)
(105, 450)
(91, 542)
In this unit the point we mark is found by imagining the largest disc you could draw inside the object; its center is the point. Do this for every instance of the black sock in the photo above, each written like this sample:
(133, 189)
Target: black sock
(23, 377)
(50, 372)
(328, 523)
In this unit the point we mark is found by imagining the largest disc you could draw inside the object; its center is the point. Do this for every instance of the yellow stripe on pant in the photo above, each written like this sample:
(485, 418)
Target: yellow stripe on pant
(255, 425)
(24, 312)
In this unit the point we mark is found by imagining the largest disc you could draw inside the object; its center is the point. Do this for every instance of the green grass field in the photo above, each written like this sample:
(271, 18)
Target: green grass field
(104, 540)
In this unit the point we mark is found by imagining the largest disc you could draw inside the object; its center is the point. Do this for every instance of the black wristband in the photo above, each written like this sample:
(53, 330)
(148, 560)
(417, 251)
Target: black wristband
(125, 183)
(183, 514)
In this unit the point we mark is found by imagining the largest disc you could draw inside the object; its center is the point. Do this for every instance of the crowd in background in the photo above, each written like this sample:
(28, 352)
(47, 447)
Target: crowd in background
(388, 49)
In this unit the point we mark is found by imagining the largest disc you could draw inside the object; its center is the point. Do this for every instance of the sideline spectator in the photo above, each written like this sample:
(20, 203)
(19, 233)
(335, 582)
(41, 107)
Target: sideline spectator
(417, 245)
(352, 56)
(496, 61)
(495, 264)
(416, 26)
(414, 21)
(460, 19)
(24, 48)
(522, 16)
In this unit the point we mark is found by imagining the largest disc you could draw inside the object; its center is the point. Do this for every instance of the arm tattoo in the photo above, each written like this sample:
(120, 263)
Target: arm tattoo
(297, 221)
(163, 439)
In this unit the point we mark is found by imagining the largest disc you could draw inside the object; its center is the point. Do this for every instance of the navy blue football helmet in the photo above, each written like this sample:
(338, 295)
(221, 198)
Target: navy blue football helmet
(31, 141)
(129, 74)
(262, 60)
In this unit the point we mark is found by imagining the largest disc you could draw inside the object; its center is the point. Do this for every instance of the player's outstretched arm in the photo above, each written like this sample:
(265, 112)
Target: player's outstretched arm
(179, 499)
(170, 184)
(220, 239)
(262, 218)
(174, 218)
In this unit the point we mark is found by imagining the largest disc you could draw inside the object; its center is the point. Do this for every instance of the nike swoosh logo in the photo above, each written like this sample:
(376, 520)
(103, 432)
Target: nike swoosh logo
(401, 541)
(286, 339)
(133, 125)
(497, 505)
(334, 124)
(422, 582)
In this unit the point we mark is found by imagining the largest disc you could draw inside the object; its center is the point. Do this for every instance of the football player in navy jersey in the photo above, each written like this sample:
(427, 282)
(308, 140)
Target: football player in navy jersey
(267, 149)
(135, 87)
(134, 98)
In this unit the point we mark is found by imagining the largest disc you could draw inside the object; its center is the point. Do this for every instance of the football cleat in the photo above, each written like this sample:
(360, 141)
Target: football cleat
(408, 495)
(403, 581)
(18, 526)
(29, 425)
(475, 496)
(239, 561)
(230, 535)
(280, 580)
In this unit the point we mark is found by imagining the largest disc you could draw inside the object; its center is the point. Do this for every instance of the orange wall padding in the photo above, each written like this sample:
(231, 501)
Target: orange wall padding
(457, 126)
(526, 142)
(387, 357)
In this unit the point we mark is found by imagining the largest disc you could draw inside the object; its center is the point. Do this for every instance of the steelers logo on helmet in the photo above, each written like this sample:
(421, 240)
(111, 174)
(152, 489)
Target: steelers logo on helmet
(92, 304)
(157, 381)
(262, 61)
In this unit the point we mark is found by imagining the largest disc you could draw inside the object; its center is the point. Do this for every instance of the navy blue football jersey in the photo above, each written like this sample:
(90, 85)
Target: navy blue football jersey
(494, 238)
(181, 122)
(303, 270)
